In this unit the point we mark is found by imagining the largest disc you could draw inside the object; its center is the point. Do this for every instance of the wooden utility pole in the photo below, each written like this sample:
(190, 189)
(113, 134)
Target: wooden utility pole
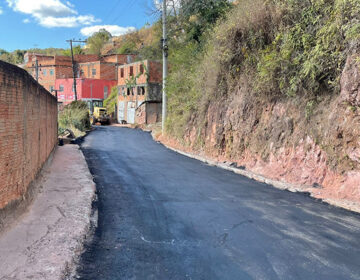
(165, 64)
(73, 63)
(36, 70)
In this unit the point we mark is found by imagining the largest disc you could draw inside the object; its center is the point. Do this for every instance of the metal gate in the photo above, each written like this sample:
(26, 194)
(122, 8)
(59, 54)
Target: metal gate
(121, 111)
(131, 106)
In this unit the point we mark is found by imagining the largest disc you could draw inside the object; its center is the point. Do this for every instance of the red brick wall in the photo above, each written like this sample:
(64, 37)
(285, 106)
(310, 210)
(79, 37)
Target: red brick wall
(118, 58)
(140, 114)
(155, 69)
(154, 74)
(86, 70)
(148, 113)
(28, 131)
(108, 71)
(104, 71)
(80, 58)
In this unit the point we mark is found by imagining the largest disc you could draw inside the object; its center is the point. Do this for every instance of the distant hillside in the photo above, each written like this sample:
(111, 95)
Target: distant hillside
(145, 42)
(17, 57)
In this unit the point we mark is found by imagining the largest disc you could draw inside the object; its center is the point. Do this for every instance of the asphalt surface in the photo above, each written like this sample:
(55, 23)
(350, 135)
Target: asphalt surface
(165, 216)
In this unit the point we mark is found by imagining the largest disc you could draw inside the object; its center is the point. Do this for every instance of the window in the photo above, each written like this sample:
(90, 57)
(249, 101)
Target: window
(61, 88)
(51, 88)
(121, 72)
(106, 92)
(122, 91)
(128, 91)
(44, 72)
(93, 72)
(51, 72)
(131, 71)
(141, 90)
(141, 68)
(97, 103)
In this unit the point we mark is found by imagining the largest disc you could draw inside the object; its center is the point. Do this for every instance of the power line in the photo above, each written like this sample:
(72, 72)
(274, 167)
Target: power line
(113, 9)
(128, 6)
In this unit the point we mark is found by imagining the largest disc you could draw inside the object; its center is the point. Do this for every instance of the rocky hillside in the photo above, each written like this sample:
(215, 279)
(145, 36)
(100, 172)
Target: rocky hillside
(275, 87)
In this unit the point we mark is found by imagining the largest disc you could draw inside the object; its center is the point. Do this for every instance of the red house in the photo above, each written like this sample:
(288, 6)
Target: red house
(87, 89)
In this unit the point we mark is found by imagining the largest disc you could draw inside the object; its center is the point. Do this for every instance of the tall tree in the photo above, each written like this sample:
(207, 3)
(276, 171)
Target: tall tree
(201, 14)
(98, 40)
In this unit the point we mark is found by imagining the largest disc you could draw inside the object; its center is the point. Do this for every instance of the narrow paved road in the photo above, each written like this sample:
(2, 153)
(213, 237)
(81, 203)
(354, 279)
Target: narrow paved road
(165, 216)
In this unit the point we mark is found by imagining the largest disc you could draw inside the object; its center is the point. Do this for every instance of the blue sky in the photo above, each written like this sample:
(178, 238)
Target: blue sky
(49, 23)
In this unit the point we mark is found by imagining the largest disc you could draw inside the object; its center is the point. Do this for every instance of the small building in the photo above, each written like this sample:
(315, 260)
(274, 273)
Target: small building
(139, 92)
(48, 69)
(103, 68)
(88, 90)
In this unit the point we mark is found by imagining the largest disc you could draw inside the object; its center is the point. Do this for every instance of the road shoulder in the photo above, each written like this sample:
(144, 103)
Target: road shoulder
(47, 240)
(155, 131)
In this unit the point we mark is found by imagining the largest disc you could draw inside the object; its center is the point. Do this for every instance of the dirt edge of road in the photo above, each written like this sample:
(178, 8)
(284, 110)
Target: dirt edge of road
(48, 239)
(308, 190)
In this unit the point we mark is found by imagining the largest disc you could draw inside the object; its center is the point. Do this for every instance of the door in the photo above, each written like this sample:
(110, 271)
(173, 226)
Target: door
(121, 111)
(131, 112)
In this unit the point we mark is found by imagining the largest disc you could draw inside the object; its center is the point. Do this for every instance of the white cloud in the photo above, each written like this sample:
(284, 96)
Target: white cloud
(51, 13)
(41, 8)
(1, 11)
(26, 20)
(115, 30)
(67, 21)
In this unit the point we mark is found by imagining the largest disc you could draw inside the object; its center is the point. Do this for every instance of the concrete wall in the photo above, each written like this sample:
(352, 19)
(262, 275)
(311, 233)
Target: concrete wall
(28, 131)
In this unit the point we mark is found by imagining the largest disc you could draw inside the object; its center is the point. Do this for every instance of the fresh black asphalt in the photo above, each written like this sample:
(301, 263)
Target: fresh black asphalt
(165, 216)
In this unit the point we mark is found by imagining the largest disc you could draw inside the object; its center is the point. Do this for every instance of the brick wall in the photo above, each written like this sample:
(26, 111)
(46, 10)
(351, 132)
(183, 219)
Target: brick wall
(154, 69)
(118, 58)
(28, 131)
(148, 113)
(103, 70)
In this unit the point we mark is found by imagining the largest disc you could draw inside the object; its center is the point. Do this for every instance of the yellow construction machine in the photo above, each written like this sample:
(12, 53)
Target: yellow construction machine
(99, 115)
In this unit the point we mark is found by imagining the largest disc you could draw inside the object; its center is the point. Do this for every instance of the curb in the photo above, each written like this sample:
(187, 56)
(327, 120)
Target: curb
(294, 188)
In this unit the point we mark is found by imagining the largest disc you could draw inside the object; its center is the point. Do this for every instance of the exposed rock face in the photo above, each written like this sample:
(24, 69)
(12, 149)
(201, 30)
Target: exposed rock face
(350, 81)
(281, 140)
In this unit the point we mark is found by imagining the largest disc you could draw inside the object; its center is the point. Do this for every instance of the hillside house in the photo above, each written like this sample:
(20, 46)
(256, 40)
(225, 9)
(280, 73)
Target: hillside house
(139, 92)
(95, 76)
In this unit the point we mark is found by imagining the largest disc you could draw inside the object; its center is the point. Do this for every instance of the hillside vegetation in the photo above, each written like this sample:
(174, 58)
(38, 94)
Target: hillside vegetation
(280, 48)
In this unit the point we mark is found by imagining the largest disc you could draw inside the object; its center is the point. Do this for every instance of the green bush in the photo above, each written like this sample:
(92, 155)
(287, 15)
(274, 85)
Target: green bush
(111, 101)
(276, 48)
(75, 117)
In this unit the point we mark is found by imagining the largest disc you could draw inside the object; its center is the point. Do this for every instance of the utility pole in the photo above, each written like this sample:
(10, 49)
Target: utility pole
(36, 70)
(91, 102)
(165, 65)
(73, 62)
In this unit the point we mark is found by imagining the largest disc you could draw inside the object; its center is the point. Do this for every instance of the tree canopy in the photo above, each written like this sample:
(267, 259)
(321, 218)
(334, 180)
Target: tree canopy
(98, 40)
